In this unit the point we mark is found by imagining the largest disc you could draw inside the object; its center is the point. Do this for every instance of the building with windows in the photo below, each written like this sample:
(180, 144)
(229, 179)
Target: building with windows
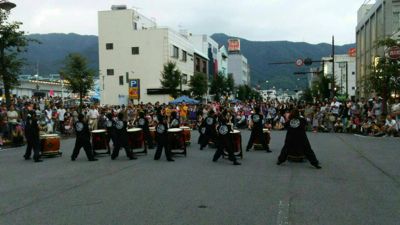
(222, 59)
(205, 44)
(132, 46)
(238, 67)
(345, 74)
(375, 22)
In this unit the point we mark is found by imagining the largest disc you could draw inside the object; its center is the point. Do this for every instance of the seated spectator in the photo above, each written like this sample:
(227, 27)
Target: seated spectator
(390, 127)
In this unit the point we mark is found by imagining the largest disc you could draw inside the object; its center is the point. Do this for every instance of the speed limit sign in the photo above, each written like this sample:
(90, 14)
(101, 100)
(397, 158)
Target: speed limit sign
(299, 62)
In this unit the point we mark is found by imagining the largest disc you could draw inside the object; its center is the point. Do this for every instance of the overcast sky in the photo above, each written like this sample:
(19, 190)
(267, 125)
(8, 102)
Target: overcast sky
(312, 21)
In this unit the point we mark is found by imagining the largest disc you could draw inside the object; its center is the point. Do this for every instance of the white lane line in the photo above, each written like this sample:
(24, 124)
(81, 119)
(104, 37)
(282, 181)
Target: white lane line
(283, 213)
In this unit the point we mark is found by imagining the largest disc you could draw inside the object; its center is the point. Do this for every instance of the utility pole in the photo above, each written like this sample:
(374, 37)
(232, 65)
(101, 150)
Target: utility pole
(333, 68)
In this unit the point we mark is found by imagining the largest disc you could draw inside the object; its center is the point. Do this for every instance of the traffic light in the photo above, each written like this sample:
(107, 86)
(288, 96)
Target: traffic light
(308, 61)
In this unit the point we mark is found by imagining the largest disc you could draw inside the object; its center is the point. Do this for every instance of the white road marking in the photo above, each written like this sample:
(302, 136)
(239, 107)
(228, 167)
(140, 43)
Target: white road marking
(283, 213)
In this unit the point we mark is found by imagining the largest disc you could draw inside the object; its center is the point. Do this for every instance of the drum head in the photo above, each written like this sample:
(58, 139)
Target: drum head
(265, 130)
(98, 131)
(185, 128)
(235, 132)
(48, 135)
(152, 128)
(134, 129)
(174, 130)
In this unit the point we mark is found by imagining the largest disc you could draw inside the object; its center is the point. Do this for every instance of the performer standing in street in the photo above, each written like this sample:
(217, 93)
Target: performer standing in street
(121, 140)
(82, 139)
(225, 140)
(174, 120)
(296, 141)
(109, 125)
(32, 137)
(162, 139)
(210, 131)
(256, 124)
(143, 123)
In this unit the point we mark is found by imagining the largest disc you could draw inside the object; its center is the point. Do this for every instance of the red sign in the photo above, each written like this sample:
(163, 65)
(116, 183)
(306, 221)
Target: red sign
(393, 52)
(299, 62)
(352, 52)
(234, 45)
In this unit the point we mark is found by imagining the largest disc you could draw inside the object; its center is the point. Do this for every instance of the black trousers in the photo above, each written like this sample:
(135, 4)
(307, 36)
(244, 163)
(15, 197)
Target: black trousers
(206, 138)
(224, 144)
(32, 143)
(148, 138)
(85, 144)
(160, 145)
(308, 152)
(110, 138)
(121, 144)
(260, 136)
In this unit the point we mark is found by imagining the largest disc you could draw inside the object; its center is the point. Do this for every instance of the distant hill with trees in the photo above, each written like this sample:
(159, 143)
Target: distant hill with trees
(49, 56)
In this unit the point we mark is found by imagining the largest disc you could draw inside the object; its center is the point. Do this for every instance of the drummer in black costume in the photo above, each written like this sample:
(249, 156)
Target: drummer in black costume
(174, 123)
(296, 141)
(162, 139)
(225, 140)
(143, 123)
(256, 122)
(109, 125)
(121, 140)
(210, 132)
(82, 139)
(32, 137)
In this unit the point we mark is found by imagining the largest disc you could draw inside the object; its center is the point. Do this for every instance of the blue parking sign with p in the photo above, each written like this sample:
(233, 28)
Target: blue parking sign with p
(133, 83)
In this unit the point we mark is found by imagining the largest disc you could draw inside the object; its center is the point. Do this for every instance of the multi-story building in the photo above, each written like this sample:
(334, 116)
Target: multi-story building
(222, 60)
(132, 46)
(375, 22)
(238, 67)
(345, 73)
(208, 47)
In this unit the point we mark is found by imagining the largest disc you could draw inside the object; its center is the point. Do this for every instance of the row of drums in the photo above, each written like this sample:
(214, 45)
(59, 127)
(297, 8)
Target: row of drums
(178, 140)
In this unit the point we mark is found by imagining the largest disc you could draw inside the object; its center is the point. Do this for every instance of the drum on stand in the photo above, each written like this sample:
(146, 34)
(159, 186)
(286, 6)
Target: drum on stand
(237, 143)
(153, 134)
(186, 134)
(267, 136)
(136, 139)
(50, 145)
(176, 141)
(99, 141)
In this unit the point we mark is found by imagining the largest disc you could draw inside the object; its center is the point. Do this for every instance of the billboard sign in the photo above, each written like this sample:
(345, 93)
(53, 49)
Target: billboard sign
(234, 45)
(134, 89)
(352, 52)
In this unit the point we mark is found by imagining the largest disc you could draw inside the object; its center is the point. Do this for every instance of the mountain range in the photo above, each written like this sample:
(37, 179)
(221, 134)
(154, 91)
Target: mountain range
(48, 56)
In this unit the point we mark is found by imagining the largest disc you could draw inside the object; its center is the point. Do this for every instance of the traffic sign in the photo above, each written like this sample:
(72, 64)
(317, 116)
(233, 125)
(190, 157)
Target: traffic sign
(299, 62)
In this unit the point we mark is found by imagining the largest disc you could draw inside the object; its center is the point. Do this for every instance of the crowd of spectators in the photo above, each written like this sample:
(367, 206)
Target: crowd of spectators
(364, 116)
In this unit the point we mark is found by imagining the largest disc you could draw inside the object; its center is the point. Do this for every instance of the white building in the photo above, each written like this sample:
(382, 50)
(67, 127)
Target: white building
(238, 67)
(222, 59)
(208, 47)
(131, 46)
(345, 73)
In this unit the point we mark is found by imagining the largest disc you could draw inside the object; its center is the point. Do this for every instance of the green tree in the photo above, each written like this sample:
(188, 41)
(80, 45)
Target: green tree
(385, 75)
(12, 42)
(198, 85)
(218, 87)
(171, 78)
(320, 88)
(244, 92)
(78, 75)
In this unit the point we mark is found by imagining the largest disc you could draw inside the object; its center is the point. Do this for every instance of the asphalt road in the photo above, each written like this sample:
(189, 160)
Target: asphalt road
(359, 184)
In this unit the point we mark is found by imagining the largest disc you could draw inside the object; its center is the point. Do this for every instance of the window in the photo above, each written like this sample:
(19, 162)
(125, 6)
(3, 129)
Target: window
(134, 26)
(197, 64)
(184, 56)
(184, 78)
(175, 52)
(353, 73)
(205, 67)
(121, 80)
(353, 88)
(127, 77)
(135, 50)
(110, 72)
(109, 46)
